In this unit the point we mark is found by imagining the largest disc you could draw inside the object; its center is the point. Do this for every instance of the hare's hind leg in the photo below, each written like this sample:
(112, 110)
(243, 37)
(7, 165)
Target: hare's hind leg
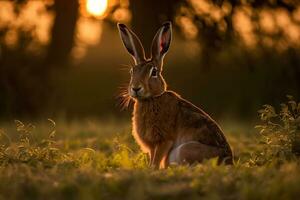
(193, 151)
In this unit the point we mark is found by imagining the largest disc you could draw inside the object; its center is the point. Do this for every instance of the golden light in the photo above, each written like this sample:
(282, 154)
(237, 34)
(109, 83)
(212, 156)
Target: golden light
(96, 7)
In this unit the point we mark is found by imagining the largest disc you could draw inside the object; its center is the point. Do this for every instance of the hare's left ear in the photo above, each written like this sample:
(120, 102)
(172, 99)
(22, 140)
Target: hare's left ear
(132, 44)
(161, 42)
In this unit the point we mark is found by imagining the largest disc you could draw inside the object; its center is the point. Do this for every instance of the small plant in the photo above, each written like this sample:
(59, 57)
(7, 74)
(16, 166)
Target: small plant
(47, 152)
(280, 136)
(126, 158)
(30, 151)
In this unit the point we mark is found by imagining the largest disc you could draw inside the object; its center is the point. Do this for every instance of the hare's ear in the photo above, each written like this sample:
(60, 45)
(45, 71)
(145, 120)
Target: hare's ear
(161, 42)
(132, 43)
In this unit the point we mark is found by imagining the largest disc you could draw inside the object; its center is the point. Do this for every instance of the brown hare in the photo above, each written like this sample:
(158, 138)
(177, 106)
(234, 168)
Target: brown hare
(167, 127)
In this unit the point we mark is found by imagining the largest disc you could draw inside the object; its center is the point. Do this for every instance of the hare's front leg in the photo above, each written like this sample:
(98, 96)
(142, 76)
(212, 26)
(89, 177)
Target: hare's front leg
(161, 152)
(151, 155)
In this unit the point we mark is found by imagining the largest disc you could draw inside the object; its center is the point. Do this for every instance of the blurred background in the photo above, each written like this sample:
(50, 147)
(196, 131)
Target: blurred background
(64, 58)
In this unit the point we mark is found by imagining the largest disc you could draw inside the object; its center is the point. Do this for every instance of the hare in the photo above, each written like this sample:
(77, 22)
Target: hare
(166, 126)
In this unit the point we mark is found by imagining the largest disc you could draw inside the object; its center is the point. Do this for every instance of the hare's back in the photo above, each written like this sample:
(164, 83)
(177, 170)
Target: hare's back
(195, 121)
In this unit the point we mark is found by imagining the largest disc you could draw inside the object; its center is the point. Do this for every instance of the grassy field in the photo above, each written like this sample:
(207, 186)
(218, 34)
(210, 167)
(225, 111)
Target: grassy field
(94, 159)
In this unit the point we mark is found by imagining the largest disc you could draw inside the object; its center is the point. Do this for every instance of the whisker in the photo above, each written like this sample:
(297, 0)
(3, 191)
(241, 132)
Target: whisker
(124, 100)
(123, 87)
(125, 67)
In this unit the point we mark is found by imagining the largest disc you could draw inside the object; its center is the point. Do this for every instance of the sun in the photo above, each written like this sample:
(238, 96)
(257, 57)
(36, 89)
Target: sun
(96, 7)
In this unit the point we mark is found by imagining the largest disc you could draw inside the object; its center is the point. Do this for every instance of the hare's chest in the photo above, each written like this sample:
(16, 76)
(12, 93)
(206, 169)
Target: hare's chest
(148, 129)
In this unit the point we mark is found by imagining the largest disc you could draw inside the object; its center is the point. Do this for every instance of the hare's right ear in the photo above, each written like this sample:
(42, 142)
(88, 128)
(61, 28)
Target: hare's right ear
(161, 42)
(132, 44)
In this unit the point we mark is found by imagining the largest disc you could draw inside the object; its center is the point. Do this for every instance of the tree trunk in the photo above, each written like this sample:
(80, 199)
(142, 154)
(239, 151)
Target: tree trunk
(148, 16)
(59, 49)
(63, 30)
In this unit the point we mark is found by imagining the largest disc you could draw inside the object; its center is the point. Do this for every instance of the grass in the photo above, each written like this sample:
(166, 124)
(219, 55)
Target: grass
(100, 160)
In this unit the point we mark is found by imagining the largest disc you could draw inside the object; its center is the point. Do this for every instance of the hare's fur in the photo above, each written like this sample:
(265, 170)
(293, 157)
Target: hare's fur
(166, 126)
(169, 118)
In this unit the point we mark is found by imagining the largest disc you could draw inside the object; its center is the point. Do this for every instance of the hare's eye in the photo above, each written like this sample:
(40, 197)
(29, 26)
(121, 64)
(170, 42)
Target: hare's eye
(153, 72)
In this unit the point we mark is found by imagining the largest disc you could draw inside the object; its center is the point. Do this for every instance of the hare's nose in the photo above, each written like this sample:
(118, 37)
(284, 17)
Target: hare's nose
(136, 89)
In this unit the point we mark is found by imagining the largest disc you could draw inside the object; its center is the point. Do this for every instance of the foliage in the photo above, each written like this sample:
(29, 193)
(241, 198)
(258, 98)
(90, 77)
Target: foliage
(280, 136)
(92, 161)
(31, 152)
(45, 153)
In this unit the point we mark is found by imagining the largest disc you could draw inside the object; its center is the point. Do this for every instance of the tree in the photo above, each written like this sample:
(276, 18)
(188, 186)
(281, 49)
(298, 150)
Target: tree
(27, 79)
(148, 16)
(63, 31)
